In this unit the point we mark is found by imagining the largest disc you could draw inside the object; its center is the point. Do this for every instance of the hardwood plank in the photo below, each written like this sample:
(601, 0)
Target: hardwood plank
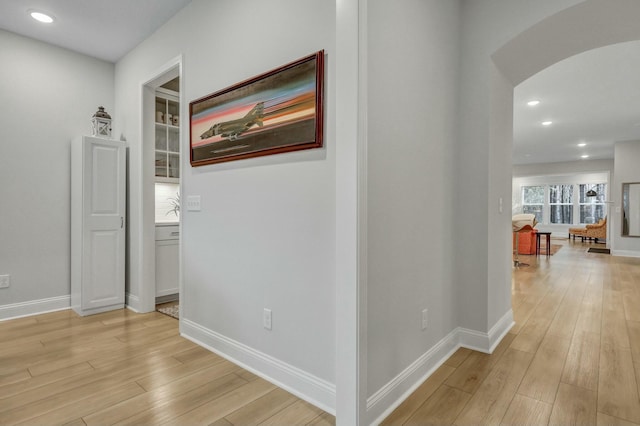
(458, 357)
(491, 401)
(606, 420)
(417, 398)
(633, 330)
(262, 408)
(218, 377)
(92, 402)
(613, 320)
(618, 390)
(71, 388)
(44, 379)
(195, 353)
(581, 365)
(574, 406)
(160, 378)
(590, 317)
(299, 413)
(441, 408)
(324, 419)
(543, 376)
(476, 367)
(223, 405)
(527, 411)
(11, 378)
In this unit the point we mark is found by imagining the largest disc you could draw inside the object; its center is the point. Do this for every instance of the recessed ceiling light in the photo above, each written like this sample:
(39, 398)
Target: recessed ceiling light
(581, 144)
(547, 123)
(533, 102)
(41, 16)
(584, 156)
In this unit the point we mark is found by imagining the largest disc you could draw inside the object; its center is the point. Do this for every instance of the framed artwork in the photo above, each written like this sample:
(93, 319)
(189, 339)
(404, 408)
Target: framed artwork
(279, 111)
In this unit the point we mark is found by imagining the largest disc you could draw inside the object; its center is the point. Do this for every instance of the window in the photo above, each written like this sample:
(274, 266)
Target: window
(592, 209)
(561, 204)
(533, 201)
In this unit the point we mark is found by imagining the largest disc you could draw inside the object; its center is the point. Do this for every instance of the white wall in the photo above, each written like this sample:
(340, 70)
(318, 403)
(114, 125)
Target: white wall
(486, 26)
(501, 47)
(412, 91)
(48, 97)
(627, 159)
(265, 237)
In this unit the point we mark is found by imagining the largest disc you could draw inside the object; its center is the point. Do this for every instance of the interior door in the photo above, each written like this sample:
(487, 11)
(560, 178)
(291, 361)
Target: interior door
(104, 222)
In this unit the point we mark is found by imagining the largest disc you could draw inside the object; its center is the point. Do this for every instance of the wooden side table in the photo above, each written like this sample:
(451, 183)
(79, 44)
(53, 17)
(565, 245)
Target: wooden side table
(548, 236)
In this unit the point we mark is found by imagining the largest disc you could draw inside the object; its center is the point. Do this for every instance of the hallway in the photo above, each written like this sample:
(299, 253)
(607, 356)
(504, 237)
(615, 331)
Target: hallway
(573, 356)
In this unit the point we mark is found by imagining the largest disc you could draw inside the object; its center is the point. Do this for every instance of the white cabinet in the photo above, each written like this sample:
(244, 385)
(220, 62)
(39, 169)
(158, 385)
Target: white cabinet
(97, 224)
(167, 268)
(167, 136)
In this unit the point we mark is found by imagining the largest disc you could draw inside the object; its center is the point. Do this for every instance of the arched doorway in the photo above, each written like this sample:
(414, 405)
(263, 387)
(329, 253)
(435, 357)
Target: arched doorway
(588, 25)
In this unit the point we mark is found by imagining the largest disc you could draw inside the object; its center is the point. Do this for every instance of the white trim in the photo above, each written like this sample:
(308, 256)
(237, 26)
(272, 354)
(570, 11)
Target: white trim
(146, 241)
(304, 385)
(132, 302)
(625, 253)
(390, 396)
(500, 329)
(34, 307)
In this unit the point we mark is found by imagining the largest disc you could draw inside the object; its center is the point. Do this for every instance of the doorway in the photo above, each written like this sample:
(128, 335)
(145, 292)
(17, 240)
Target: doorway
(160, 280)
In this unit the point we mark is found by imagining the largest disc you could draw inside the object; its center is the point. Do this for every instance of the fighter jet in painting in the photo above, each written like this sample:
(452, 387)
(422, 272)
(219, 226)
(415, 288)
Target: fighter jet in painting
(232, 129)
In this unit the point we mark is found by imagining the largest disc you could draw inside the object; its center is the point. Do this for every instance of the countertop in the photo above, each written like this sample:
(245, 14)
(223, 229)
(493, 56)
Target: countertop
(168, 223)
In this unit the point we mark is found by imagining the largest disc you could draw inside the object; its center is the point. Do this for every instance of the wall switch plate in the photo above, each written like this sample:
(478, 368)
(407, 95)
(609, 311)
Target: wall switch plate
(266, 319)
(193, 203)
(425, 318)
(5, 281)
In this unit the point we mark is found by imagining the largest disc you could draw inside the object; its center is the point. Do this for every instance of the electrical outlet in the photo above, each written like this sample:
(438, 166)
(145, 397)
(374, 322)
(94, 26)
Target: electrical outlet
(266, 319)
(425, 318)
(5, 281)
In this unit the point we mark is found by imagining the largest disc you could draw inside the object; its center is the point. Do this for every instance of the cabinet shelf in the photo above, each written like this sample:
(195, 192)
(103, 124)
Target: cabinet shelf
(167, 137)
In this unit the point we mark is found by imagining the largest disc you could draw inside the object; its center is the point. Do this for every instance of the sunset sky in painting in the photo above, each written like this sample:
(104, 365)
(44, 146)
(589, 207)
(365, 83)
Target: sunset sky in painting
(289, 103)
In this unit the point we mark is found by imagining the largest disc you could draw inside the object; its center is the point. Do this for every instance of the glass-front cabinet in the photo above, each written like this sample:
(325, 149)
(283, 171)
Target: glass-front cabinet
(167, 136)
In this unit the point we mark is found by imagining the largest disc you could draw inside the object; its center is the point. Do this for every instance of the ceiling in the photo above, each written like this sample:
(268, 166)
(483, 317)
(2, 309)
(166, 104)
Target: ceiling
(593, 97)
(105, 29)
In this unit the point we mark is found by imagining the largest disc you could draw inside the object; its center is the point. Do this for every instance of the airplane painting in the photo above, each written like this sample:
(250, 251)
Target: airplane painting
(234, 128)
(279, 111)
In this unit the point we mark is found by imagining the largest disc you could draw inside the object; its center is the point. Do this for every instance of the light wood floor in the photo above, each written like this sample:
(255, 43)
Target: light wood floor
(126, 368)
(573, 356)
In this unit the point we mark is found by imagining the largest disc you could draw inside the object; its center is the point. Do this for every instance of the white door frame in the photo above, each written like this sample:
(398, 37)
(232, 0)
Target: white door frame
(146, 231)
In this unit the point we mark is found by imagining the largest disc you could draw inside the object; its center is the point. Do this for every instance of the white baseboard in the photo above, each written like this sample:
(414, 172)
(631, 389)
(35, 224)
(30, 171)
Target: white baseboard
(486, 342)
(132, 302)
(34, 307)
(304, 385)
(390, 396)
(625, 253)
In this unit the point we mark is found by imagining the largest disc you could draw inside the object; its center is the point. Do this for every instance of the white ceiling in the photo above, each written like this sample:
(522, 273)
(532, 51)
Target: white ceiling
(105, 29)
(593, 97)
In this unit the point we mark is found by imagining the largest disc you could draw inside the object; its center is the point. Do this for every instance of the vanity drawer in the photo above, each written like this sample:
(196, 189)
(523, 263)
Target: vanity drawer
(167, 233)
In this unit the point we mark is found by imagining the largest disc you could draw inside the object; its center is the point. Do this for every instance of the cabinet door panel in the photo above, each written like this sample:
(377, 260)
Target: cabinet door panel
(104, 231)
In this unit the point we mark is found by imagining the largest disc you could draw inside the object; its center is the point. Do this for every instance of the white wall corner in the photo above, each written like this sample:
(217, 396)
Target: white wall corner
(500, 329)
(625, 253)
(132, 302)
(304, 385)
(486, 342)
(34, 307)
(390, 396)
